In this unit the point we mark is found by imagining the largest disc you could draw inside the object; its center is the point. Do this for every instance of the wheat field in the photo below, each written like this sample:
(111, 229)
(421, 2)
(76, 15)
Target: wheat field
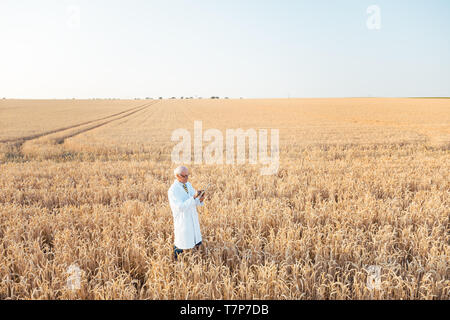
(362, 182)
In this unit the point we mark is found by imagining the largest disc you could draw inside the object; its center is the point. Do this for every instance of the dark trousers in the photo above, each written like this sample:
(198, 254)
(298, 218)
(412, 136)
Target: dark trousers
(177, 251)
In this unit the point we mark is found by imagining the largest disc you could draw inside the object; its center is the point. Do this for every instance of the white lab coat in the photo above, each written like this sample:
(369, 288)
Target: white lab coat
(185, 216)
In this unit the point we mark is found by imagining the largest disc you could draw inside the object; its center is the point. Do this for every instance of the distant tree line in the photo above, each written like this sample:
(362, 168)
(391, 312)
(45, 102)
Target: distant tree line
(182, 98)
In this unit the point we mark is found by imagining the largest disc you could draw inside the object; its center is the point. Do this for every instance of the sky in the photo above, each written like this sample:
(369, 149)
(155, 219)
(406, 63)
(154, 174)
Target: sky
(52, 49)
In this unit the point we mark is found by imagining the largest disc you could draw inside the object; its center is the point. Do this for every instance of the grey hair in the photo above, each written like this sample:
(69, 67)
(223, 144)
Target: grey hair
(179, 170)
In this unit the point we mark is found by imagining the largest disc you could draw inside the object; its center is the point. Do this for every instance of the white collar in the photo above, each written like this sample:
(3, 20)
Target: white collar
(181, 183)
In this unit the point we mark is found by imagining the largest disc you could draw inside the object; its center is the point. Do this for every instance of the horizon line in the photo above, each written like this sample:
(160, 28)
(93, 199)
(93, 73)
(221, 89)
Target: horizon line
(229, 98)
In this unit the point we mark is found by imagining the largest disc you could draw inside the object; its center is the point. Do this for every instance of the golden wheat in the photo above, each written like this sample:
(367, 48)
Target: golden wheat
(361, 182)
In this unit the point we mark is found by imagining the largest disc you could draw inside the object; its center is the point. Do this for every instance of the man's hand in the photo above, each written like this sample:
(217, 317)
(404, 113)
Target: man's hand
(198, 194)
(202, 198)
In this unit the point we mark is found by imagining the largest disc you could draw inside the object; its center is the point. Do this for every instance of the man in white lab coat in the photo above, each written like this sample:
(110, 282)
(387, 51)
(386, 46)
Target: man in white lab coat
(183, 200)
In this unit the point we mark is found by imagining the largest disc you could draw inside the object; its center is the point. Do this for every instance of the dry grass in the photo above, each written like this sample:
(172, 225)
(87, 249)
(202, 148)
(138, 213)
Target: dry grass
(361, 182)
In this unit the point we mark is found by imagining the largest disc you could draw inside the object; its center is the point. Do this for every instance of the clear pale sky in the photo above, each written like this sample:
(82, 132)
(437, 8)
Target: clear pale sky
(233, 48)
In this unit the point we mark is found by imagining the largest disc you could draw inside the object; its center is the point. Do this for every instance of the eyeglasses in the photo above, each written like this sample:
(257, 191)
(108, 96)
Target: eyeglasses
(184, 176)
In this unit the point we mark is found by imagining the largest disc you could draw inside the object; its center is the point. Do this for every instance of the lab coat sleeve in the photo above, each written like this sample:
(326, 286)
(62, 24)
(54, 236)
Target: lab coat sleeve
(181, 206)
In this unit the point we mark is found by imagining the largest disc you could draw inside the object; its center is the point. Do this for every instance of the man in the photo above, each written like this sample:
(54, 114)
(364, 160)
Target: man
(183, 200)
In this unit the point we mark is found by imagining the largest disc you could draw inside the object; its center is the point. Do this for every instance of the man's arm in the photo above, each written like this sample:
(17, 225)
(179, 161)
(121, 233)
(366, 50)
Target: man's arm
(180, 205)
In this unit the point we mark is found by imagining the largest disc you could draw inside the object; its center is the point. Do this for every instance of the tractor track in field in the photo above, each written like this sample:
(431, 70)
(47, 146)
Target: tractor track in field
(62, 139)
(15, 146)
(18, 142)
(142, 121)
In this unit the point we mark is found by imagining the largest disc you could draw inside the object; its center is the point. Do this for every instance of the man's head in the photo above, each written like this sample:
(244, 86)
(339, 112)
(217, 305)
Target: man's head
(182, 174)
